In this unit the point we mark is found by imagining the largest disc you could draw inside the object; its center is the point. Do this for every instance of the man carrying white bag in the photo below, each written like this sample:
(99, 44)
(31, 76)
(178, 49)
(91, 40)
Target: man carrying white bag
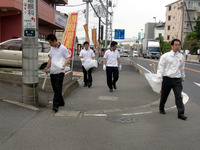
(87, 58)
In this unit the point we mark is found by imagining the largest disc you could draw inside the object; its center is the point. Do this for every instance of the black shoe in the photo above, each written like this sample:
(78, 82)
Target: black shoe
(162, 111)
(89, 85)
(55, 109)
(182, 117)
(111, 90)
(62, 104)
(114, 86)
(85, 85)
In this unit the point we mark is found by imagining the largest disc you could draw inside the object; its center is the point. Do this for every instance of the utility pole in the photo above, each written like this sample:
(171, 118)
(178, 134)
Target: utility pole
(87, 14)
(30, 52)
(106, 34)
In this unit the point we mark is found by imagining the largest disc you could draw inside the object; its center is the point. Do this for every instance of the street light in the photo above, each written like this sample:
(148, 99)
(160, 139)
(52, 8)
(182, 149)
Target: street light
(155, 19)
(142, 33)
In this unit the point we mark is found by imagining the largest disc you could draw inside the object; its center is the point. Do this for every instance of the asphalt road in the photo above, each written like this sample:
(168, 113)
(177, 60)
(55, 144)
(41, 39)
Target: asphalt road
(192, 84)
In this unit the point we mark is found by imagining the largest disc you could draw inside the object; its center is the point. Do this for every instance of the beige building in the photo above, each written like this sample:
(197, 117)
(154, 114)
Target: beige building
(180, 18)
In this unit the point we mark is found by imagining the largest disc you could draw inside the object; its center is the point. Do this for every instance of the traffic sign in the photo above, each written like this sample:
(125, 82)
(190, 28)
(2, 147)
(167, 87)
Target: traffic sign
(29, 17)
(119, 34)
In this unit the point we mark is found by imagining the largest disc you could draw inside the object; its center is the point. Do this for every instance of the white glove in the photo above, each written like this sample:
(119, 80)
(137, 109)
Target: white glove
(82, 60)
(183, 79)
(104, 67)
(120, 67)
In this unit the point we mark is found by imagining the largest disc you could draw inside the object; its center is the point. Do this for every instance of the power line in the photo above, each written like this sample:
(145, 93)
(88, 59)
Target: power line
(96, 13)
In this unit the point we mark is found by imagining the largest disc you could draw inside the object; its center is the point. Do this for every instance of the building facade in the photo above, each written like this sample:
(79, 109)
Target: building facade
(49, 19)
(180, 18)
(159, 30)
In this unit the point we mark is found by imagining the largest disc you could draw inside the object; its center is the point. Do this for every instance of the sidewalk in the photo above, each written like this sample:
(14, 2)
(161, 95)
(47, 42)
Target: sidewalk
(83, 123)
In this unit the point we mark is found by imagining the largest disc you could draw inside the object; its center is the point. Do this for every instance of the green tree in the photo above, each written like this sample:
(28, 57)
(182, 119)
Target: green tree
(197, 28)
(164, 46)
(192, 45)
(191, 36)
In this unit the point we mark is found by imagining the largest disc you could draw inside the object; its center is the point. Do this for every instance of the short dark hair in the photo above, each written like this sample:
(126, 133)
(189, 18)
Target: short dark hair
(86, 42)
(51, 37)
(113, 43)
(172, 43)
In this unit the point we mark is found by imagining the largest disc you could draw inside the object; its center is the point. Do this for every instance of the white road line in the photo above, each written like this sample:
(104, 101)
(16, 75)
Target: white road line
(139, 113)
(144, 68)
(96, 115)
(21, 105)
(197, 84)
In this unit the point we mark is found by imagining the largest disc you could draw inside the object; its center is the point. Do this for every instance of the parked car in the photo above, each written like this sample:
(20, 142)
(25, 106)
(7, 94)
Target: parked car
(135, 54)
(11, 53)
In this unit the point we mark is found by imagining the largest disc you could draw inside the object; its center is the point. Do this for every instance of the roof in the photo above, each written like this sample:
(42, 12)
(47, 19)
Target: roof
(173, 3)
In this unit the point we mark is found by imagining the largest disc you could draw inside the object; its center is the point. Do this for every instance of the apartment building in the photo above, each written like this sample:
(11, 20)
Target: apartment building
(180, 18)
(49, 19)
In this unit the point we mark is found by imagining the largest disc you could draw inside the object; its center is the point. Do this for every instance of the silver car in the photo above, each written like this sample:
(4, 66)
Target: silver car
(11, 53)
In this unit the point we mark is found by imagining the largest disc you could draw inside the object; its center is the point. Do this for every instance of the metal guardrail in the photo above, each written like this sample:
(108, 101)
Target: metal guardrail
(153, 68)
(134, 61)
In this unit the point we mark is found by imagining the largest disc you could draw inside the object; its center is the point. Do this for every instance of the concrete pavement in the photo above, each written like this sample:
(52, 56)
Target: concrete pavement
(95, 119)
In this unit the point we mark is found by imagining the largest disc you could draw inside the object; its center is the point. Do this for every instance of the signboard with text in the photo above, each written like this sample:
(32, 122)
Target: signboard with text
(70, 32)
(119, 34)
(29, 18)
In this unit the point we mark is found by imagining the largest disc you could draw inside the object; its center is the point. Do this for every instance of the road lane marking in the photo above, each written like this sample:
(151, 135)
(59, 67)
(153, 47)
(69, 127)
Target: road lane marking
(197, 84)
(144, 68)
(192, 70)
(184, 68)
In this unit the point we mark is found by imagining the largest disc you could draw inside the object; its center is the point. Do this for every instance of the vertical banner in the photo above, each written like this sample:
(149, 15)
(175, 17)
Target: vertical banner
(94, 38)
(70, 32)
(86, 31)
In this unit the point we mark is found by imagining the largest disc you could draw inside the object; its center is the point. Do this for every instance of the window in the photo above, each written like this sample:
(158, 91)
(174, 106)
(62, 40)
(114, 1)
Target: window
(168, 37)
(168, 27)
(160, 34)
(169, 18)
(174, 17)
(12, 45)
(170, 8)
(199, 4)
(46, 47)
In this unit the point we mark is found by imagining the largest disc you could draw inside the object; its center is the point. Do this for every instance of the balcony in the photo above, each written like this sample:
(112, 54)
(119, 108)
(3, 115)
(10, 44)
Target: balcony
(46, 12)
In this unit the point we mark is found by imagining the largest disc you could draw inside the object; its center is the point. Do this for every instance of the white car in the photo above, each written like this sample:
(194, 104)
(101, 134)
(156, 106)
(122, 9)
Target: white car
(11, 53)
(135, 54)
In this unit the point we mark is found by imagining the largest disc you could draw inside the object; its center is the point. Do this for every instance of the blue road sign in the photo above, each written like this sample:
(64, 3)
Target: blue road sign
(119, 34)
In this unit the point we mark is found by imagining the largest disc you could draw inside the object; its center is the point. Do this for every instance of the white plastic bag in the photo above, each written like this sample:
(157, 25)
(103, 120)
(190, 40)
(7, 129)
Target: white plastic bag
(90, 64)
(154, 81)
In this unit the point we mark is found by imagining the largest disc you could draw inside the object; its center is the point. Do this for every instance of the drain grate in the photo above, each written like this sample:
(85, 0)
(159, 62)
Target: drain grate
(122, 119)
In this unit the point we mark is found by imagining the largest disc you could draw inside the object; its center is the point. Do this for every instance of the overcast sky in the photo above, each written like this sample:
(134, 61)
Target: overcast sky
(130, 15)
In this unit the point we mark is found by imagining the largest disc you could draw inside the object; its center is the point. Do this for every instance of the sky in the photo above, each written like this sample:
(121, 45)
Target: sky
(130, 15)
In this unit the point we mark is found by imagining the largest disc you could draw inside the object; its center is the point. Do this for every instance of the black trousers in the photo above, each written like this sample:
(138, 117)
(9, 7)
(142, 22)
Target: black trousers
(176, 85)
(87, 76)
(112, 74)
(57, 82)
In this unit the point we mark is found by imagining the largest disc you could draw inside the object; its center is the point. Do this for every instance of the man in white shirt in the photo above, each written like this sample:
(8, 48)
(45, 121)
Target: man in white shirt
(84, 55)
(58, 54)
(187, 52)
(198, 53)
(112, 65)
(171, 69)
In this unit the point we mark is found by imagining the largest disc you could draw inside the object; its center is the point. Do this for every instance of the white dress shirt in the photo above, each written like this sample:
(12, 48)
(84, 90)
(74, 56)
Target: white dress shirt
(187, 52)
(198, 51)
(111, 58)
(58, 55)
(86, 54)
(172, 65)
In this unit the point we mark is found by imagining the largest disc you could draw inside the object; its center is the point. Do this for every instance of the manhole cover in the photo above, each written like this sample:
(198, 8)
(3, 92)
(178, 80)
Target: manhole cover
(122, 119)
(108, 98)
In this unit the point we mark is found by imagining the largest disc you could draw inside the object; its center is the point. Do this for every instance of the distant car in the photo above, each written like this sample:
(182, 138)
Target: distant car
(125, 54)
(11, 53)
(135, 54)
